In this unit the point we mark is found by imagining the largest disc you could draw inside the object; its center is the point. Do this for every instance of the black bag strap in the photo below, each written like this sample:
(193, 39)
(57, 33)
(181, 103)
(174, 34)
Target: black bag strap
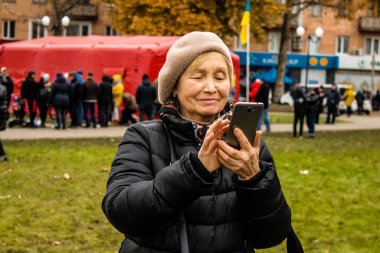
(293, 244)
(181, 223)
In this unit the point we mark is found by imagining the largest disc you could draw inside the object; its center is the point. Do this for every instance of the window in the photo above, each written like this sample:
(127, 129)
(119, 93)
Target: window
(238, 45)
(274, 40)
(36, 30)
(372, 46)
(315, 45)
(110, 31)
(79, 29)
(374, 8)
(342, 44)
(343, 11)
(9, 27)
(315, 10)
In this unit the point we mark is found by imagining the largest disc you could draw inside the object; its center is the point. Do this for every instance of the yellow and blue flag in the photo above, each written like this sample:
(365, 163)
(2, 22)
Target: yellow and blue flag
(245, 22)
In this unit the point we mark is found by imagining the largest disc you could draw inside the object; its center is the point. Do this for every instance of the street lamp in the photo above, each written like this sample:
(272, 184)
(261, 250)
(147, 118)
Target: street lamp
(318, 35)
(65, 21)
(45, 22)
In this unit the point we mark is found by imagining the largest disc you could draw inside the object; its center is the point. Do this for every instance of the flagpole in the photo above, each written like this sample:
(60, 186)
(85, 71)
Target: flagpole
(247, 78)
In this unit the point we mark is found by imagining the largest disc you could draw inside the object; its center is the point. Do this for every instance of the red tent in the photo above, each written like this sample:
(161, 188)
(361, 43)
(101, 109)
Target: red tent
(130, 56)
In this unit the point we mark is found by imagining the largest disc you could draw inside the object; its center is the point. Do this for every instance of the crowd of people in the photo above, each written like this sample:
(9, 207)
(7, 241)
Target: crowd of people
(315, 102)
(87, 103)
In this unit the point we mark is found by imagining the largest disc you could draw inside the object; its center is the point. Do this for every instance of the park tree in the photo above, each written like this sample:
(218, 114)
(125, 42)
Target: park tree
(345, 9)
(178, 17)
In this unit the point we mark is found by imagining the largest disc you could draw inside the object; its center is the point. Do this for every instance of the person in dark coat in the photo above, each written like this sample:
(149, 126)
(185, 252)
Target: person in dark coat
(312, 100)
(321, 97)
(3, 117)
(333, 99)
(105, 101)
(29, 89)
(90, 98)
(176, 186)
(262, 96)
(145, 96)
(76, 96)
(43, 97)
(299, 99)
(60, 99)
(7, 81)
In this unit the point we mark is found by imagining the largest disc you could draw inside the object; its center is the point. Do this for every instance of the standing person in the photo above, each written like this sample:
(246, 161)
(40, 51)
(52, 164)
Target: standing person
(43, 97)
(262, 96)
(7, 81)
(90, 98)
(333, 99)
(3, 118)
(117, 93)
(29, 89)
(367, 103)
(60, 99)
(299, 99)
(76, 95)
(359, 97)
(175, 186)
(145, 96)
(321, 98)
(80, 80)
(104, 101)
(311, 111)
(255, 86)
(349, 97)
(376, 100)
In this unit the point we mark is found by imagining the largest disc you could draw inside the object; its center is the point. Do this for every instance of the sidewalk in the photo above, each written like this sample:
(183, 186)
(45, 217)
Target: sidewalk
(352, 123)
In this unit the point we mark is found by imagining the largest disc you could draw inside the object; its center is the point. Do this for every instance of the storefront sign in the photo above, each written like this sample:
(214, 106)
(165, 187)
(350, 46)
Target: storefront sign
(294, 60)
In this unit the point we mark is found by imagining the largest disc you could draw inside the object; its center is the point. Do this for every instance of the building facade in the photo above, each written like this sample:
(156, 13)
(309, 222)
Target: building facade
(22, 19)
(348, 51)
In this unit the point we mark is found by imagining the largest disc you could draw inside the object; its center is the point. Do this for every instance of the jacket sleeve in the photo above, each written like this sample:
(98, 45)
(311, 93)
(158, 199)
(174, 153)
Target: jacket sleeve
(263, 209)
(136, 201)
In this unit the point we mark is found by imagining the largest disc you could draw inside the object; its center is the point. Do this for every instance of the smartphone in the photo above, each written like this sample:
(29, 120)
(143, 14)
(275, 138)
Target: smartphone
(245, 116)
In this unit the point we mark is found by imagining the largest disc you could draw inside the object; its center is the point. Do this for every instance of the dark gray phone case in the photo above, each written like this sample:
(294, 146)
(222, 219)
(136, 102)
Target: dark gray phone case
(245, 116)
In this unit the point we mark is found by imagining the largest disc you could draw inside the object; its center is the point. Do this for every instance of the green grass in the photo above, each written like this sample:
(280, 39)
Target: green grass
(335, 208)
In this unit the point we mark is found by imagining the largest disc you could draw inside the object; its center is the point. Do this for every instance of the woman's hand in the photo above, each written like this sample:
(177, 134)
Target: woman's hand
(207, 154)
(244, 162)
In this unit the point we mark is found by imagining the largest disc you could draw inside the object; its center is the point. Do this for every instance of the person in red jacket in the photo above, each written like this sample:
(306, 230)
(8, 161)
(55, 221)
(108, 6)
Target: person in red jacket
(255, 86)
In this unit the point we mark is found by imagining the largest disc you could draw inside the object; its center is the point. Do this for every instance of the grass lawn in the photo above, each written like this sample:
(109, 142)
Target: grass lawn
(332, 184)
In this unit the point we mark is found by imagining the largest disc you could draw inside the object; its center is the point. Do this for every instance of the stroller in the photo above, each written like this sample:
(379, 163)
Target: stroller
(18, 107)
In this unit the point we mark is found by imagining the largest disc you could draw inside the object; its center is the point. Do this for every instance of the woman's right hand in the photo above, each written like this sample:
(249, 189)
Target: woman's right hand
(207, 154)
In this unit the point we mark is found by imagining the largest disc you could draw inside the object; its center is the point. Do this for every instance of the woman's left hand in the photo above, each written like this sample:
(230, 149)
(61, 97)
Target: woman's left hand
(244, 162)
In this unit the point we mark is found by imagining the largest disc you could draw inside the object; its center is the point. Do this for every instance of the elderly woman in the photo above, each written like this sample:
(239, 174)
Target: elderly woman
(176, 186)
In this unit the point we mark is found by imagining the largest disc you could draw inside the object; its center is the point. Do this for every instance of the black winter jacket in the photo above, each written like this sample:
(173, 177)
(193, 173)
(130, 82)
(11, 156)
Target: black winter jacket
(223, 214)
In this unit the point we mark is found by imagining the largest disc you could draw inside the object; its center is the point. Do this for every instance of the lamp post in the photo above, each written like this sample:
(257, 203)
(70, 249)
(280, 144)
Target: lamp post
(318, 35)
(45, 22)
(65, 21)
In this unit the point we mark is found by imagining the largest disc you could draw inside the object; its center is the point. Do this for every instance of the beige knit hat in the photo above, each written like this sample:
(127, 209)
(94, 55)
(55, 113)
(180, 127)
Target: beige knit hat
(182, 53)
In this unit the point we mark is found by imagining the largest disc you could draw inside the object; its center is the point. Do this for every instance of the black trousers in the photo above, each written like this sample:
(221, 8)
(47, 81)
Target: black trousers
(331, 113)
(298, 118)
(32, 113)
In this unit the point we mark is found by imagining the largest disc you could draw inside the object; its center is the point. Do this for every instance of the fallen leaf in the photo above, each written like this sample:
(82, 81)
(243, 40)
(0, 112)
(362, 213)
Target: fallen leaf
(304, 172)
(5, 197)
(66, 176)
(56, 243)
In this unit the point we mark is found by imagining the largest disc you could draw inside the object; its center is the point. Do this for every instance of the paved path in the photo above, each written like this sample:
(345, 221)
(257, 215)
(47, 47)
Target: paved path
(352, 123)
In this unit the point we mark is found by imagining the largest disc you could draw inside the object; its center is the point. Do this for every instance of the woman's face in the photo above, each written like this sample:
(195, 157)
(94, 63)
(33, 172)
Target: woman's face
(203, 88)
